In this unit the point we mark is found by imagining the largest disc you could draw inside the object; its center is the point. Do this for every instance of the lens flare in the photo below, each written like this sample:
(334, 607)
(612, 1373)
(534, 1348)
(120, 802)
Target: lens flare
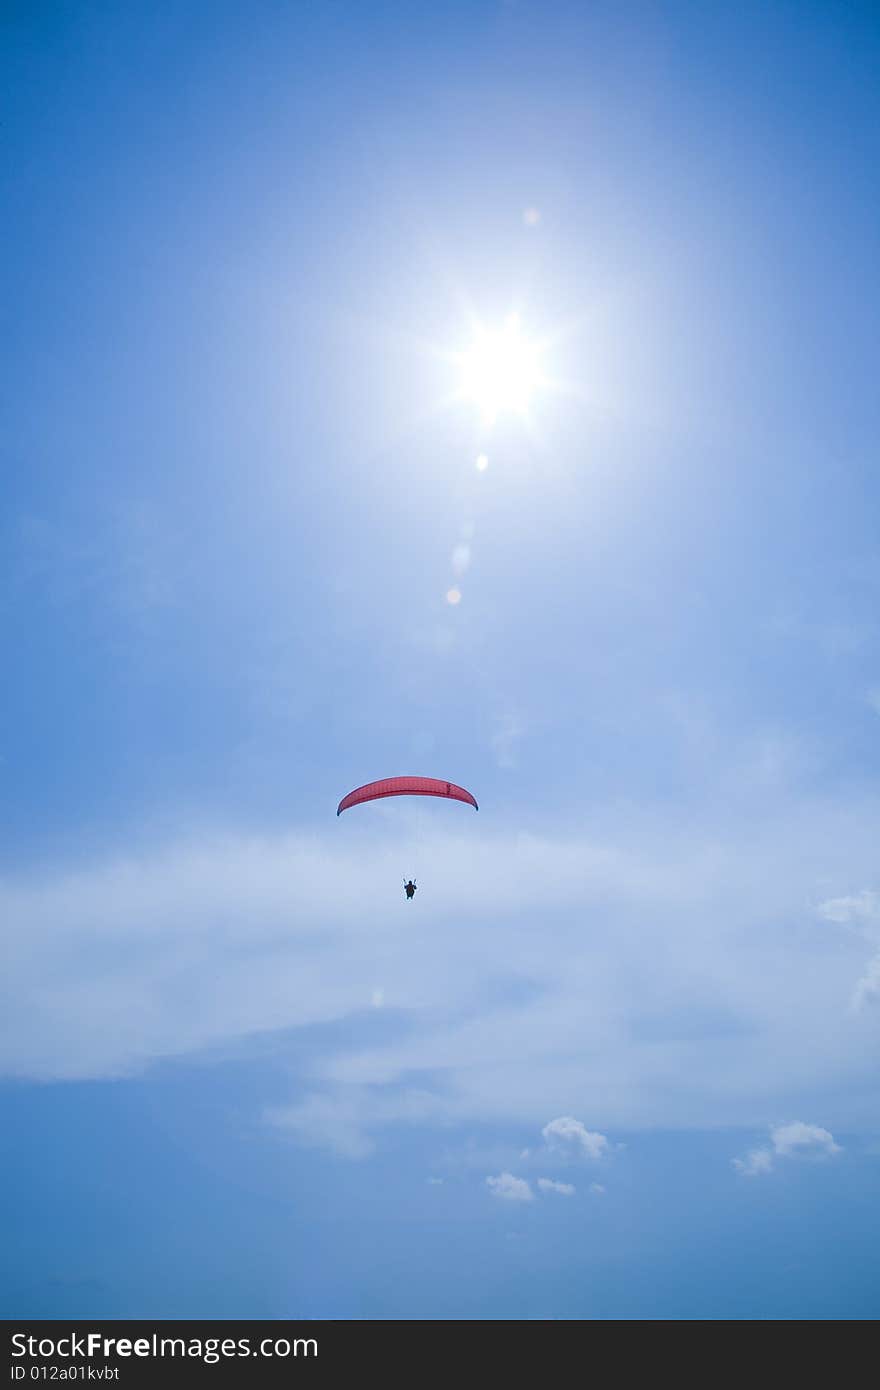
(461, 558)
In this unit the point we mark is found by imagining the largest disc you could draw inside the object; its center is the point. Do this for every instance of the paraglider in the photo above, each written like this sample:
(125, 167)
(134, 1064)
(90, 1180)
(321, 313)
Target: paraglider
(406, 786)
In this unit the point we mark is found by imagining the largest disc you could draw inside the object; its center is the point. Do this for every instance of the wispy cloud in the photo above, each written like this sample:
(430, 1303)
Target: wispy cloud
(510, 1189)
(863, 907)
(343, 1120)
(561, 1189)
(794, 1140)
(860, 911)
(867, 990)
(755, 1162)
(325, 1122)
(655, 954)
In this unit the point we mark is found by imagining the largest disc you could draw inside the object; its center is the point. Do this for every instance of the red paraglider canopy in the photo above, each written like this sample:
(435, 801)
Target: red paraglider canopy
(405, 786)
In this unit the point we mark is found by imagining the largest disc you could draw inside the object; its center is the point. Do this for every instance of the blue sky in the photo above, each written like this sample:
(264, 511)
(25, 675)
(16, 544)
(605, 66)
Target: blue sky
(619, 1056)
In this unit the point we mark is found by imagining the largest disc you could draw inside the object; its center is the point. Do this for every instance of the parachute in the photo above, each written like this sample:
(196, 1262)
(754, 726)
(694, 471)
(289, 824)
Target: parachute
(405, 786)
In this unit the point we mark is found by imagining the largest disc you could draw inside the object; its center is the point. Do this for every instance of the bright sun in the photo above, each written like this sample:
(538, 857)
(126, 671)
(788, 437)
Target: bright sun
(500, 371)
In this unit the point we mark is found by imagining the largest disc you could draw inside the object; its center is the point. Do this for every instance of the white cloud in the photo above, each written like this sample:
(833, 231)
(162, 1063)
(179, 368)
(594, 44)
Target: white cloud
(510, 1189)
(861, 907)
(756, 1162)
(798, 1138)
(867, 991)
(562, 1189)
(342, 1119)
(788, 1141)
(570, 1136)
(861, 911)
(655, 976)
(597, 1189)
(324, 1122)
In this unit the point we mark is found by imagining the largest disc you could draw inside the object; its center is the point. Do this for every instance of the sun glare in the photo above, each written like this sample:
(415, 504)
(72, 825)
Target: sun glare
(500, 371)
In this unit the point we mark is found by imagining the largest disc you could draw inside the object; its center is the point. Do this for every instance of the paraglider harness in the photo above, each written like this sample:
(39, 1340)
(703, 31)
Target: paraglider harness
(410, 888)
